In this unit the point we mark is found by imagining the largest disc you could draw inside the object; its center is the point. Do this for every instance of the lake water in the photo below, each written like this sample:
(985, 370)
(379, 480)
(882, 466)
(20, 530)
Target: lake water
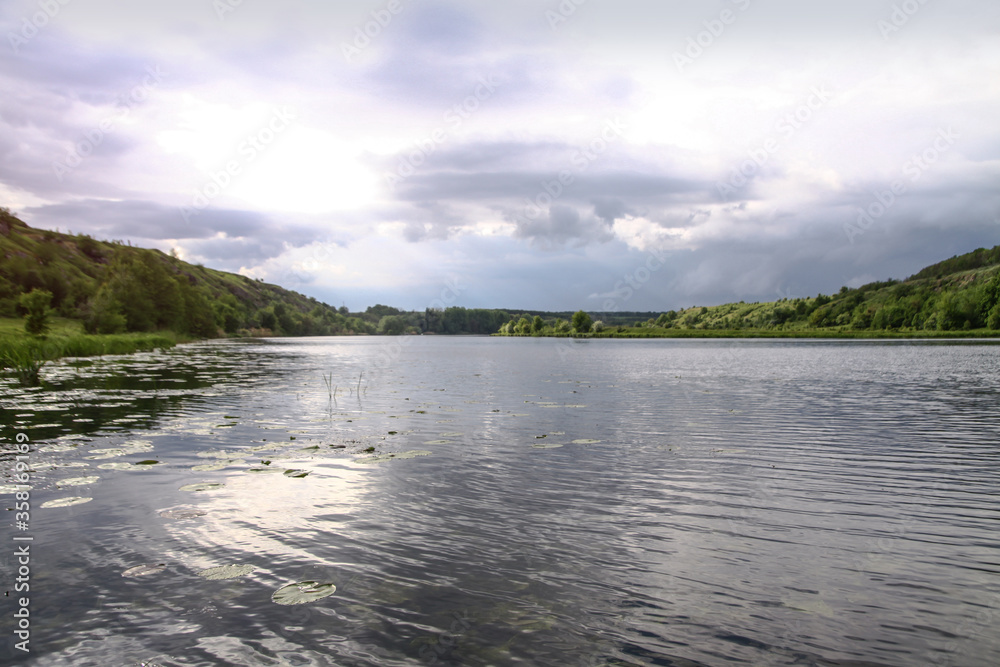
(606, 502)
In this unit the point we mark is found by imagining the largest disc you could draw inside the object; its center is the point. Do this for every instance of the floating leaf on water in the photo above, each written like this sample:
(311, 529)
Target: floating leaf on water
(148, 462)
(181, 513)
(202, 486)
(439, 442)
(209, 467)
(296, 473)
(260, 470)
(107, 453)
(302, 592)
(13, 488)
(585, 441)
(221, 454)
(77, 481)
(144, 570)
(226, 572)
(66, 502)
(392, 457)
(547, 445)
(57, 448)
(117, 465)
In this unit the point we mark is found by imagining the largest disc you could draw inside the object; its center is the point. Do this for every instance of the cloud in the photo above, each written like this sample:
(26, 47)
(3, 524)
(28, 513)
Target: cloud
(524, 193)
(563, 225)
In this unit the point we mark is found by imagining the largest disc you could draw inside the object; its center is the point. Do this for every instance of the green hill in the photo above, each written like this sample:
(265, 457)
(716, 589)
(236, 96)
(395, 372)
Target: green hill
(113, 288)
(960, 295)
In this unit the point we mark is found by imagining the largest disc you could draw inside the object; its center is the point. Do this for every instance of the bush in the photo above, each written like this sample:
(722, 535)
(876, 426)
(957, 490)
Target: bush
(36, 302)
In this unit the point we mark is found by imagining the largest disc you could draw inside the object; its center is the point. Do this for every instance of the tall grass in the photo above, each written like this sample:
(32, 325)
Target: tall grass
(25, 356)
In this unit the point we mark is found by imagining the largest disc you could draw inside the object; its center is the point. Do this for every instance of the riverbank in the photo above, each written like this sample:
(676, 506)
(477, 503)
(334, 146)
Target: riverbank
(656, 332)
(24, 355)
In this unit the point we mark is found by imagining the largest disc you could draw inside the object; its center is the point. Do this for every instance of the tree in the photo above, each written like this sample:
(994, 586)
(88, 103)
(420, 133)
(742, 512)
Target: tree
(104, 315)
(36, 303)
(581, 322)
(598, 326)
(537, 324)
(392, 325)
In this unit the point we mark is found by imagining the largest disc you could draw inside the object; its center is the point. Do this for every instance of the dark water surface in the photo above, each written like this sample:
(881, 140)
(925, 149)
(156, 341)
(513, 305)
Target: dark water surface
(574, 503)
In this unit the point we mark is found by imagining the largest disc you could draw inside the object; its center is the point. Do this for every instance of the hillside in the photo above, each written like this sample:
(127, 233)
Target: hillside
(960, 295)
(112, 288)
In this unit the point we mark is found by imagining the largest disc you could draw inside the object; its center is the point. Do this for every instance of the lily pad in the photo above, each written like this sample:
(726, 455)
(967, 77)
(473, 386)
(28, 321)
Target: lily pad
(392, 457)
(181, 513)
(209, 467)
(585, 441)
(296, 473)
(302, 592)
(57, 448)
(66, 502)
(144, 570)
(117, 465)
(226, 572)
(547, 445)
(14, 488)
(438, 442)
(106, 453)
(221, 454)
(77, 481)
(202, 486)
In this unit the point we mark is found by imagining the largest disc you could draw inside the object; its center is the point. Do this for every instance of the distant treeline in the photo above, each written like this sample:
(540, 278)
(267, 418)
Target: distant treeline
(959, 294)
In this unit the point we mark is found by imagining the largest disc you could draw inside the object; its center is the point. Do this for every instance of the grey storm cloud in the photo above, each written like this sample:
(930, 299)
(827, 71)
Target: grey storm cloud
(213, 234)
(563, 225)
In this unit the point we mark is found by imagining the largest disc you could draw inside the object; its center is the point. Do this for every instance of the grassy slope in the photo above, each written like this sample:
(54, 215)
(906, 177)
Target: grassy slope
(72, 267)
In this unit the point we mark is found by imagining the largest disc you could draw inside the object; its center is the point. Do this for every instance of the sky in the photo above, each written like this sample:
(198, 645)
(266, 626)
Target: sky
(552, 155)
